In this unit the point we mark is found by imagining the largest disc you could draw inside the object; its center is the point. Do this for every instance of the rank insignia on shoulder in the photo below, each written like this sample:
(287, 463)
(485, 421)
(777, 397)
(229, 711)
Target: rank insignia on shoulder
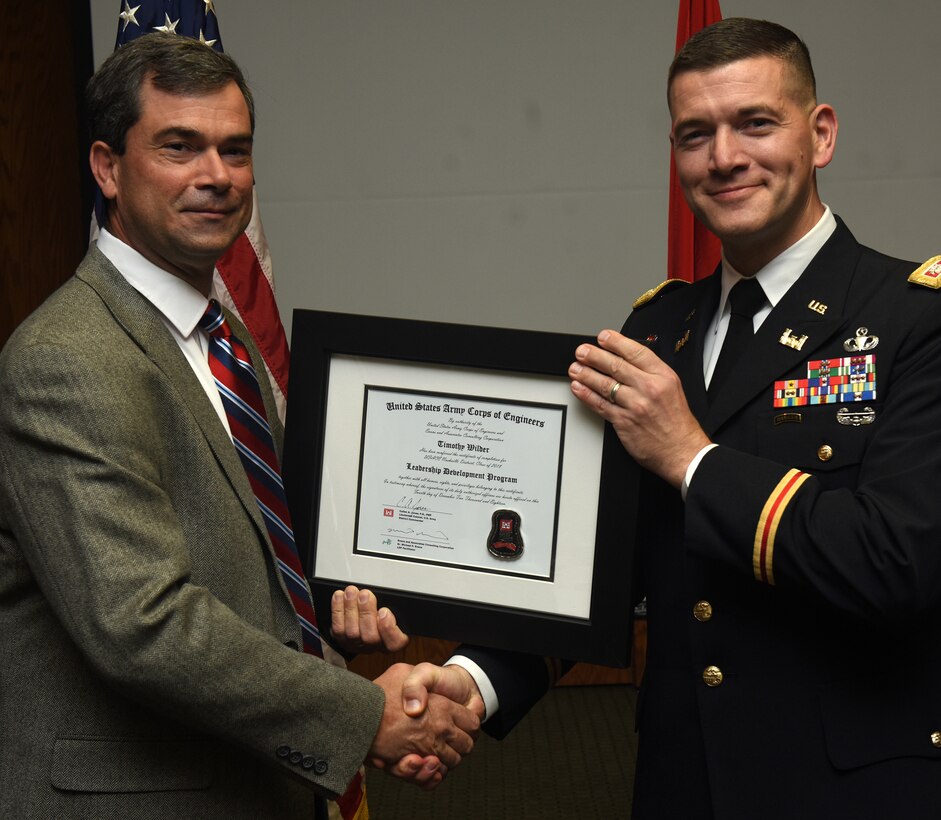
(649, 295)
(928, 274)
(505, 540)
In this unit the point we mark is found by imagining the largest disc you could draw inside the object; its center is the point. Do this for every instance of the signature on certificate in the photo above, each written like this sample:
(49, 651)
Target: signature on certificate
(411, 502)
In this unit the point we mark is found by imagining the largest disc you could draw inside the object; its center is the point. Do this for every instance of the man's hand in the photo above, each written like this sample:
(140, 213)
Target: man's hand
(421, 748)
(648, 411)
(453, 682)
(359, 627)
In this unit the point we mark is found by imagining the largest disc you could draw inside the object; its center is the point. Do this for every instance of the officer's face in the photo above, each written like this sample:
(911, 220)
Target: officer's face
(746, 143)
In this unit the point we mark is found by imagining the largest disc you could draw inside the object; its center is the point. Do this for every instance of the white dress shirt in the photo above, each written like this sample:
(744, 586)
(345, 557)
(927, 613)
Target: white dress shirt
(181, 307)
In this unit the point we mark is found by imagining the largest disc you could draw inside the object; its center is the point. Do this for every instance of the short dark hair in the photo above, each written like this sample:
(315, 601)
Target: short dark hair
(175, 64)
(738, 38)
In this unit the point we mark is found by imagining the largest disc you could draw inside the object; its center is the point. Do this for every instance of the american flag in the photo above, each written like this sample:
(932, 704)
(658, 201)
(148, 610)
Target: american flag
(243, 279)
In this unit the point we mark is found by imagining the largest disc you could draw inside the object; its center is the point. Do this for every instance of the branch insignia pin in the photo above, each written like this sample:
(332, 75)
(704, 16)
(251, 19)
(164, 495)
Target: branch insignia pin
(791, 339)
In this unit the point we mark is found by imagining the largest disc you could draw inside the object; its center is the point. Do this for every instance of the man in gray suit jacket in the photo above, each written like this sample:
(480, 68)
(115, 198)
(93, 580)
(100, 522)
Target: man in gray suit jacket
(149, 662)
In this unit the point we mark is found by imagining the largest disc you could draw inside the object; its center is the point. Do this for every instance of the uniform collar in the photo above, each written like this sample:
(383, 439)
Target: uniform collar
(785, 269)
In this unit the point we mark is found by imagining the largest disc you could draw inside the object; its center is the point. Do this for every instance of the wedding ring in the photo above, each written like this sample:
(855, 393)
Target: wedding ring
(613, 392)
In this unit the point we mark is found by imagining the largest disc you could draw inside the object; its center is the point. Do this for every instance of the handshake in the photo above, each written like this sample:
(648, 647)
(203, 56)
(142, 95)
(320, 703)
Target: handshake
(431, 715)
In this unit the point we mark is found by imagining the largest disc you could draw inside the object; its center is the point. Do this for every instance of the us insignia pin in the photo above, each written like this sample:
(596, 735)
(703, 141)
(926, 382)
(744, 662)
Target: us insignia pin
(791, 339)
(817, 307)
(505, 540)
(862, 342)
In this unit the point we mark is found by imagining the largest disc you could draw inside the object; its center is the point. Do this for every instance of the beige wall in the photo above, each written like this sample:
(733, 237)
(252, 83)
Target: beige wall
(504, 162)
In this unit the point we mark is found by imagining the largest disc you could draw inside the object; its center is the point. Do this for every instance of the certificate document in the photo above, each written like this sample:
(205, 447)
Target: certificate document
(459, 480)
(450, 469)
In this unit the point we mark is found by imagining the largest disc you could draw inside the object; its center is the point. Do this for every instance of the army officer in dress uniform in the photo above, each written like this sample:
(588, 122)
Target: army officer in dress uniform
(791, 540)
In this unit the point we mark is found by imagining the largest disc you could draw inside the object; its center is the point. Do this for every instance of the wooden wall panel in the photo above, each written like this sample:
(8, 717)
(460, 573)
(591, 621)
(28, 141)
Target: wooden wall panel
(41, 234)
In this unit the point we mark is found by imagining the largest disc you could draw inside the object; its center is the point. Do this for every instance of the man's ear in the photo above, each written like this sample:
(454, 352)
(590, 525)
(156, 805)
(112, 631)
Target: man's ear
(104, 168)
(824, 124)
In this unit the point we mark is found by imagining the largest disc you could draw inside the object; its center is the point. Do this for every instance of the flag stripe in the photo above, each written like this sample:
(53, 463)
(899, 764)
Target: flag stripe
(693, 252)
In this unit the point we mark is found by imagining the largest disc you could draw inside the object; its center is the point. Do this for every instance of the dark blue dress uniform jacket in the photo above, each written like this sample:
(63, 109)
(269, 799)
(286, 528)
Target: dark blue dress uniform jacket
(794, 601)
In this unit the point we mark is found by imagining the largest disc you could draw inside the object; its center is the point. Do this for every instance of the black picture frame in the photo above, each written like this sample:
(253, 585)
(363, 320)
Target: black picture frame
(604, 636)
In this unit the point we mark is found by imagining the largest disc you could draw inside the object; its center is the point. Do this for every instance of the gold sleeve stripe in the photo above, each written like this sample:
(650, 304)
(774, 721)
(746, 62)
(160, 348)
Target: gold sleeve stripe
(763, 555)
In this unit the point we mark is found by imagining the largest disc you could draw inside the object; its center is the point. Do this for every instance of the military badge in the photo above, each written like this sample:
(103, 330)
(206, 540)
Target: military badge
(505, 539)
(830, 381)
(856, 418)
(861, 342)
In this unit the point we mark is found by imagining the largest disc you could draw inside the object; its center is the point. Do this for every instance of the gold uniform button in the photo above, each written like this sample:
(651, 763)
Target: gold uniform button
(702, 611)
(712, 676)
(936, 739)
(825, 452)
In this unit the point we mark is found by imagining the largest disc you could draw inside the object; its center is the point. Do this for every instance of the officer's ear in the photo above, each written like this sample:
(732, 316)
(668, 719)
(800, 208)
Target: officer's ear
(824, 125)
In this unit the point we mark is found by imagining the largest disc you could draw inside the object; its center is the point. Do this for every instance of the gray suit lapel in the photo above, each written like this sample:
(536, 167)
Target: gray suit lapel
(142, 323)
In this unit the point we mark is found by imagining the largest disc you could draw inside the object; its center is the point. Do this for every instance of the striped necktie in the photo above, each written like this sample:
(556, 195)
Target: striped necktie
(235, 377)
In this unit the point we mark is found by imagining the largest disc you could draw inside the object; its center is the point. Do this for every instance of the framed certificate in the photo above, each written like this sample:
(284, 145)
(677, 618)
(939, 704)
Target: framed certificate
(449, 469)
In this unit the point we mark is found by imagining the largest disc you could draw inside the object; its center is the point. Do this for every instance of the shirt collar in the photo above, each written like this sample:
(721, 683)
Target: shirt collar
(786, 268)
(179, 302)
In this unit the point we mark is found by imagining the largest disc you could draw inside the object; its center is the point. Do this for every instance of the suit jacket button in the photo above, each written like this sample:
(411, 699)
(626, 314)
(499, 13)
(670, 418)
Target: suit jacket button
(296, 757)
(320, 767)
(712, 676)
(825, 452)
(283, 751)
(702, 611)
(936, 739)
(307, 762)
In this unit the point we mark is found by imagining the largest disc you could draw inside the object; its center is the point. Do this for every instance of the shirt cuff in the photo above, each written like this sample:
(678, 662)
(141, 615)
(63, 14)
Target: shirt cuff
(487, 692)
(688, 478)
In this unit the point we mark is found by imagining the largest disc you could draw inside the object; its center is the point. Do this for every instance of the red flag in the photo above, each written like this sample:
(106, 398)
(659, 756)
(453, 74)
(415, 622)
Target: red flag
(693, 251)
(244, 283)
